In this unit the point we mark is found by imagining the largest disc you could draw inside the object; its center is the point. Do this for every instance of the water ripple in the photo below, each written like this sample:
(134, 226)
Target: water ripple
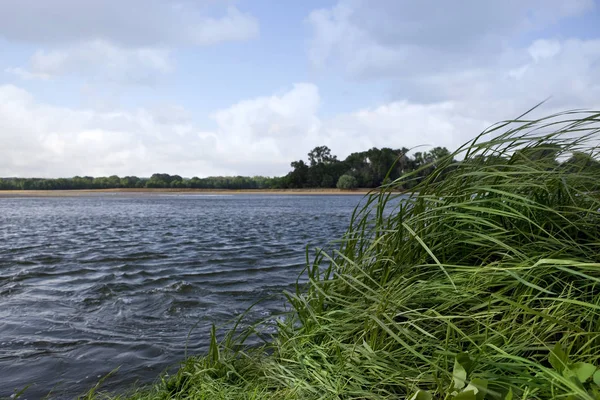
(89, 284)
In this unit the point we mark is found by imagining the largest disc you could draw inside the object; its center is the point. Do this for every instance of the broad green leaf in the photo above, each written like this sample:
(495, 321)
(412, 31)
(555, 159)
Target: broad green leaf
(597, 377)
(465, 361)
(583, 371)
(477, 386)
(459, 374)
(471, 388)
(558, 358)
(422, 395)
(469, 395)
(509, 395)
(481, 386)
(570, 374)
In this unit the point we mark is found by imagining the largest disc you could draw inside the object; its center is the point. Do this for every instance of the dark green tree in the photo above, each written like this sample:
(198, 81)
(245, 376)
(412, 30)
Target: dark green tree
(321, 155)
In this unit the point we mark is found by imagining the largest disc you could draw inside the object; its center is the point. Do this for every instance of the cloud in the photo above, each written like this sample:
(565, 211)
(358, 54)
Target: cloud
(235, 26)
(567, 71)
(454, 107)
(109, 40)
(403, 124)
(265, 134)
(131, 24)
(41, 140)
(27, 75)
(463, 75)
(488, 60)
(98, 60)
(262, 135)
(255, 136)
(286, 126)
(543, 49)
(403, 38)
(287, 115)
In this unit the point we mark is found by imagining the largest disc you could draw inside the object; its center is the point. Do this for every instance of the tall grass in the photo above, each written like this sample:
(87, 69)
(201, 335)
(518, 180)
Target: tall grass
(484, 283)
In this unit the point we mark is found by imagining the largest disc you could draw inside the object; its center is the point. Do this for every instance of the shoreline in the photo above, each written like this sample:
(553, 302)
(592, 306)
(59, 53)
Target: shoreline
(148, 191)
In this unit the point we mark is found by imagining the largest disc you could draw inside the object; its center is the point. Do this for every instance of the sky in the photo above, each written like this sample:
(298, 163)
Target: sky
(223, 87)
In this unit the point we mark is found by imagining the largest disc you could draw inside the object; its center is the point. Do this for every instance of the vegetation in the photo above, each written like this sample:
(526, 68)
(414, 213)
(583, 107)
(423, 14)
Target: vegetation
(484, 283)
(368, 168)
(160, 181)
(347, 182)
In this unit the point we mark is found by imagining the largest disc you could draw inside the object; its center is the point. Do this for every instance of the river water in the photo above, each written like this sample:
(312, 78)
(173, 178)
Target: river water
(92, 283)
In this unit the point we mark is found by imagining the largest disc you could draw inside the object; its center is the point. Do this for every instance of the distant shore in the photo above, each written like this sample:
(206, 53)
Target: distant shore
(145, 191)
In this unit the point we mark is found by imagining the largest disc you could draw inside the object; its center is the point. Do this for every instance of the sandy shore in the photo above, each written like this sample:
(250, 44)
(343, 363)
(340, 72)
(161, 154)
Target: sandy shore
(96, 192)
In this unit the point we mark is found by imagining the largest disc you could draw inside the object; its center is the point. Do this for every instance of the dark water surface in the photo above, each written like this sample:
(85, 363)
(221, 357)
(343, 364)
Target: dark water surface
(88, 284)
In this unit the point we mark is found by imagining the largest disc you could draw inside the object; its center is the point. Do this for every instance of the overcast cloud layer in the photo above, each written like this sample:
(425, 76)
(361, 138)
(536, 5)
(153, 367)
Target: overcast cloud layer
(443, 71)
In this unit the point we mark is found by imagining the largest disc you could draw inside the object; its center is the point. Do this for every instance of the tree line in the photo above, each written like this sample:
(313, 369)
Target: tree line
(159, 181)
(322, 169)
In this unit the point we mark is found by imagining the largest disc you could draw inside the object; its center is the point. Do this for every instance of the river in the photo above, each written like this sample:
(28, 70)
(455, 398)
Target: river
(92, 283)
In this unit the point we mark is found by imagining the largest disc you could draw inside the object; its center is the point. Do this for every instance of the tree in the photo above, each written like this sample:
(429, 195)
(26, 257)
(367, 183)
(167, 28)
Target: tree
(545, 153)
(129, 181)
(321, 155)
(580, 161)
(159, 181)
(327, 181)
(347, 182)
(323, 170)
(113, 181)
(368, 169)
(438, 153)
(583, 163)
(299, 176)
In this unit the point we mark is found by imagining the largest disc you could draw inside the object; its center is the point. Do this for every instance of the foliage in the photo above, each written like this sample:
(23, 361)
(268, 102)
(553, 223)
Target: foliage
(160, 181)
(321, 155)
(369, 168)
(347, 182)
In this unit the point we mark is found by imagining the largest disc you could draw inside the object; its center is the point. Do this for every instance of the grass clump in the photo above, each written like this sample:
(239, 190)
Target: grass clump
(484, 283)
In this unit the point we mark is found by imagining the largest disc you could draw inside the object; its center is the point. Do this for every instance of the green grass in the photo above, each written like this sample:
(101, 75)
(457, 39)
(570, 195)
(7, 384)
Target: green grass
(482, 284)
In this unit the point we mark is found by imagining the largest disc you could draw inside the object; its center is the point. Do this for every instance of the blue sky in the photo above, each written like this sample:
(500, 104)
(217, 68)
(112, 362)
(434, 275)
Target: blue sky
(217, 87)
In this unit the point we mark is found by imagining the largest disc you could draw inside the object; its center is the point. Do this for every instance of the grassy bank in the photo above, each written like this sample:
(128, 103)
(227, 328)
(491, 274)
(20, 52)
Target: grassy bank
(483, 284)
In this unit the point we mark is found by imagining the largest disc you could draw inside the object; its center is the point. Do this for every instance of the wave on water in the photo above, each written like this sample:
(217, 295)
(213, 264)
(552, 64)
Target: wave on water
(89, 284)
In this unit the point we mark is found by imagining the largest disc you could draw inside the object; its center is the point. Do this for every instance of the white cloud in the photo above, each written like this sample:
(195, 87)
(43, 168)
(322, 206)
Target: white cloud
(109, 40)
(98, 60)
(290, 114)
(235, 26)
(541, 49)
(521, 79)
(447, 83)
(266, 133)
(27, 75)
(404, 38)
(40, 140)
(263, 135)
(402, 124)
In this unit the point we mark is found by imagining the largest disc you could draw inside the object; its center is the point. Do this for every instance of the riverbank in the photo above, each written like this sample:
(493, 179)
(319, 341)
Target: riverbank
(144, 191)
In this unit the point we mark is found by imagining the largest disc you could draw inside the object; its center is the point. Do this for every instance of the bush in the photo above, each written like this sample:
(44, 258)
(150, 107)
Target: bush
(347, 182)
